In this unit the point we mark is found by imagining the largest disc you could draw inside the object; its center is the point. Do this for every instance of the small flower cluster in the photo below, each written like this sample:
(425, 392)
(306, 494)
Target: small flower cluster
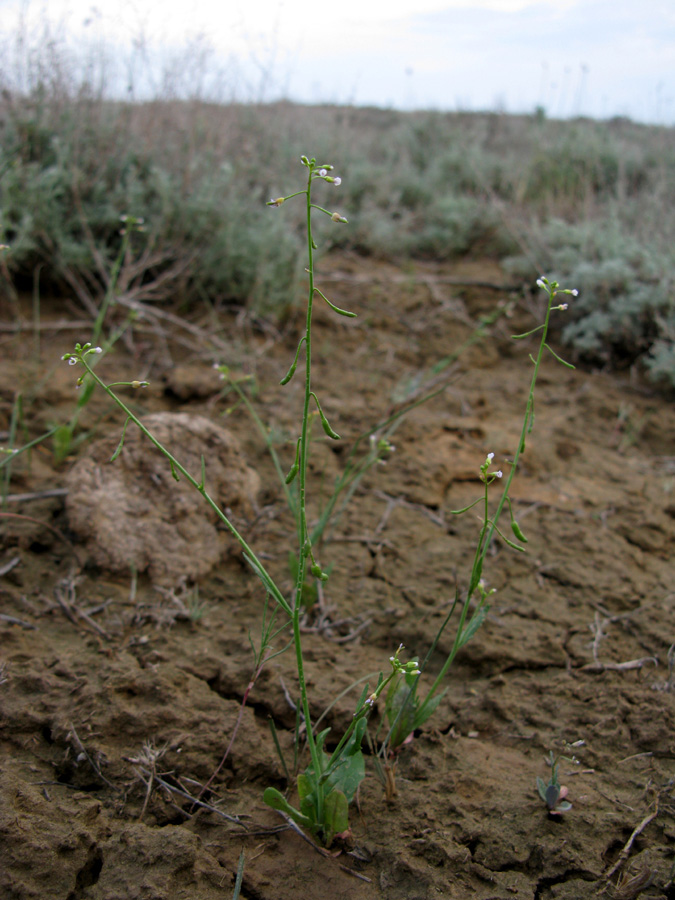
(81, 350)
(382, 447)
(131, 224)
(409, 668)
(316, 172)
(79, 354)
(489, 477)
(552, 288)
(398, 668)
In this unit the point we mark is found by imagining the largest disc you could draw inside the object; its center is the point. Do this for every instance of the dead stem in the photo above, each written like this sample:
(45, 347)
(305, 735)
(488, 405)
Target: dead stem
(65, 595)
(73, 737)
(623, 856)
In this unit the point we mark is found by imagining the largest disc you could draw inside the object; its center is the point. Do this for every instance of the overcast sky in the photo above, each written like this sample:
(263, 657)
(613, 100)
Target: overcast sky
(573, 57)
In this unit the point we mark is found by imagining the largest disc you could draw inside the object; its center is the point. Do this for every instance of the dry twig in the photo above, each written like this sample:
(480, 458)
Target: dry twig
(625, 853)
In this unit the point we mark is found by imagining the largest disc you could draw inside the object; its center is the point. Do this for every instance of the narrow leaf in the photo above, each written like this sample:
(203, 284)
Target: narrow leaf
(272, 797)
(473, 625)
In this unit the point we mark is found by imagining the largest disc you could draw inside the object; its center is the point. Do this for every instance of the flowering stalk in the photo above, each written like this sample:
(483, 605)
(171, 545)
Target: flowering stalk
(466, 630)
(318, 777)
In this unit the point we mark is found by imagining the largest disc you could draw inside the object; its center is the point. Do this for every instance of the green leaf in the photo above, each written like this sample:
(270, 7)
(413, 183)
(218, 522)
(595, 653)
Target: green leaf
(401, 708)
(336, 815)
(552, 795)
(348, 774)
(272, 797)
(429, 710)
(63, 437)
(305, 786)
(473, 625)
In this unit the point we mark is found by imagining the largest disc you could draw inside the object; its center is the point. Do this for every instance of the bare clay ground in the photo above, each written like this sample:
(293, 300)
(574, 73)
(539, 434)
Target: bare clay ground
(110, 676)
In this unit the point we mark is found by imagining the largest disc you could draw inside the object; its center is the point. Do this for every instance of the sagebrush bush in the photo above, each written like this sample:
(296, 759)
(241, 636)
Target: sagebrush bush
(546, 194)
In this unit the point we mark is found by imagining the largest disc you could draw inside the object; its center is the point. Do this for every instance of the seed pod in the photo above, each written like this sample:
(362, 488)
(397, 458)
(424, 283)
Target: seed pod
(325, 424)
(516, 529)
(296, 464)
(291, 372)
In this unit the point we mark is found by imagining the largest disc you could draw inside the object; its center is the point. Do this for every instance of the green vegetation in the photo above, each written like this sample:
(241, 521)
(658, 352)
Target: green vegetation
(588, 201)
(330, 781)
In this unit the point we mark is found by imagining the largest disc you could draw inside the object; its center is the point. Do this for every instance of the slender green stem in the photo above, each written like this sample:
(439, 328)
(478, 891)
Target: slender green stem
(305, 547)
(112, 286)
(490, 525)
(199, 486)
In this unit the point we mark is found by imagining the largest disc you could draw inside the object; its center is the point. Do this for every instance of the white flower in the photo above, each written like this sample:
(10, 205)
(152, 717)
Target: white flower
(97, 350)
(337, 182)
(499, 473)
(563, 306)
(574, 292)
(490, 456)
(72, 361)
(540, 283)
(323, 172)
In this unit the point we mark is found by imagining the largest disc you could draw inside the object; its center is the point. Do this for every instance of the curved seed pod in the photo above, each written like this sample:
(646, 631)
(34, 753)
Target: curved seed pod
(325, 424)
(337, 309)
(296, 465)
(516, 529)
(291, 372)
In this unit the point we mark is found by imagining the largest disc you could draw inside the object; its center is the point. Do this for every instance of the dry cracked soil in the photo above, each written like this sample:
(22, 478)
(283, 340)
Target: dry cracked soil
(127, 618)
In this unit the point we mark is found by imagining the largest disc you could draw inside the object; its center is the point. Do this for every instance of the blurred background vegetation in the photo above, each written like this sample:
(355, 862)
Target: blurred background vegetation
(587, 202)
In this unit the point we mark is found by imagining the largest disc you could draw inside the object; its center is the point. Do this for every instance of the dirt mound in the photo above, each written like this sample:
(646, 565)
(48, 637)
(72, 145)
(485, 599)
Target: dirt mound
(132, 514)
